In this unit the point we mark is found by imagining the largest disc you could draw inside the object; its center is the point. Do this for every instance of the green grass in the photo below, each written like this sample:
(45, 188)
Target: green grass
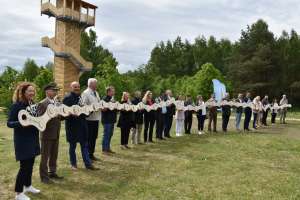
(294, 113)
(260, 165)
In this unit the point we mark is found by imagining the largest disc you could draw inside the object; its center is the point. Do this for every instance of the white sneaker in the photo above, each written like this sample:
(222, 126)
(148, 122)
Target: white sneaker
(31, 189)
(22, 196)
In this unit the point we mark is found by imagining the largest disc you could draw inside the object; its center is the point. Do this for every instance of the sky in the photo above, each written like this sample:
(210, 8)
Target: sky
(131, 28)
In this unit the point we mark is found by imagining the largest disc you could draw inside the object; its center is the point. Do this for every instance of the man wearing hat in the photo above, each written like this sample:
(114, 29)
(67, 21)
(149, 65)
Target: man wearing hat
(49, 137)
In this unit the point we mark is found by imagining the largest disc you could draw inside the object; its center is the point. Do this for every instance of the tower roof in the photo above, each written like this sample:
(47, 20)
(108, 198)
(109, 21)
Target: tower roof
(86, 4)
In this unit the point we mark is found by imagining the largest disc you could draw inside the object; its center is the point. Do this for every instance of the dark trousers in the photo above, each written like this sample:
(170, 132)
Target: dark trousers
(24, 175)
(273, 118)
(125, 131)
(168, 125)
(264, 118)
(160, 125)
(148, 129)
(247, 119)
(201, 120)
(225, 120)
(93, 127)
(188, 120)
(212, 118)
(254, 119)
(49, 153)
(84, 153)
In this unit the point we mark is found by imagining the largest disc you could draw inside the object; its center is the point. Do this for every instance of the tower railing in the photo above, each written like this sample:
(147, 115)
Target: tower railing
(48, 8)
(66, 51)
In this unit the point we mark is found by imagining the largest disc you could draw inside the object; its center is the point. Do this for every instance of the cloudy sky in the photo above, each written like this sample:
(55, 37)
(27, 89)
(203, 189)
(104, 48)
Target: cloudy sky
(131, 28)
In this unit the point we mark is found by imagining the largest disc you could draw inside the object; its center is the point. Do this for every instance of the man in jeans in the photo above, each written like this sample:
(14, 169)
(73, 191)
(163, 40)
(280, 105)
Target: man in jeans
(109, 118)
(239, 112)
(76, 129)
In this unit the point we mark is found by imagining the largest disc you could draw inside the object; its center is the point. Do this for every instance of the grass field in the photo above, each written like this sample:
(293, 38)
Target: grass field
(259, 165)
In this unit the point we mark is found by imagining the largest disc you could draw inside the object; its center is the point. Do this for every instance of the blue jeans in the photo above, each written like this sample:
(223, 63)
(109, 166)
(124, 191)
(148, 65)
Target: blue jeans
(108, 133)
(84, 153)
(238, 118)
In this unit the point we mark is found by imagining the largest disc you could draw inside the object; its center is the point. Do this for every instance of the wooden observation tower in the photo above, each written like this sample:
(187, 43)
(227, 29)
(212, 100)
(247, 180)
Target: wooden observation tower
(72, 17)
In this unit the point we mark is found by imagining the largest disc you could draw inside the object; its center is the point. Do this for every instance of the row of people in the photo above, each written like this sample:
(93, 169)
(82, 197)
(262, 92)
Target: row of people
(84, 129)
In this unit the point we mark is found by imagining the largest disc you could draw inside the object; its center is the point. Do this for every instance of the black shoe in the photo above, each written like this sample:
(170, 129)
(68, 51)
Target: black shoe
(92, 168)
(151, 141)
(93, 158)
(55, 176)
(110, 151)
(168, 136)
(46, 180)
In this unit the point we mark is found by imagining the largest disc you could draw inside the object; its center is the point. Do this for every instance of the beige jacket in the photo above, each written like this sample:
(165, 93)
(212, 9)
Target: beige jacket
(89, 98)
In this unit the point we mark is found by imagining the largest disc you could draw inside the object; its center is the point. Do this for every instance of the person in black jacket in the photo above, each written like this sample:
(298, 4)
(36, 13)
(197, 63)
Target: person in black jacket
(26, 139)
(109, 118)
(149, 118)
(226, 112)
(138, 120)
(188, 118)
(76, 129)
(126, 122)
(171, 109)
(248, 112)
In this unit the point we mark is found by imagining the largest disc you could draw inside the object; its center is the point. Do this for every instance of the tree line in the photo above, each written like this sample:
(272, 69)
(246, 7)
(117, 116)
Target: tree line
(258, 62)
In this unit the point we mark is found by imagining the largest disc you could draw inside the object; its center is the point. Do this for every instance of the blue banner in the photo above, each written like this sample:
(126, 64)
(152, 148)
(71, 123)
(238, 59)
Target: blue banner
(219, 89)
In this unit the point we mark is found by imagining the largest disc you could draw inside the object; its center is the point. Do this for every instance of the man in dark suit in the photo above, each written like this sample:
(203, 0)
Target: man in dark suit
(49, 137)
(76, 129)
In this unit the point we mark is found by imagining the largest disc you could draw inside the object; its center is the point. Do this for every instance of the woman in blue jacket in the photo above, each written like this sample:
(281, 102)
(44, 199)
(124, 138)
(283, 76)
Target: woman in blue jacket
(26, 139)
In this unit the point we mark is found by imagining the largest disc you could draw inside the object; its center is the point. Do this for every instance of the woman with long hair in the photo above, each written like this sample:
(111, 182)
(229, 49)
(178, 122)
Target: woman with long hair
(149, 117)
(26, 139)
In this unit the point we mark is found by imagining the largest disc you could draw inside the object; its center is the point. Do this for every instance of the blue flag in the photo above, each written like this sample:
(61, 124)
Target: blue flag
(219, 89)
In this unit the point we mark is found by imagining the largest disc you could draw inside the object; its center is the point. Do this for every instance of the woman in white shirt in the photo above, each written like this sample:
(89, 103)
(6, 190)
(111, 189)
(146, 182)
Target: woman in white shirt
(201, 114)
(179, 116)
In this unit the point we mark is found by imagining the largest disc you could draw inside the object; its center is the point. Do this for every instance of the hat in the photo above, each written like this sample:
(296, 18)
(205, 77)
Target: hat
(51, 86)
